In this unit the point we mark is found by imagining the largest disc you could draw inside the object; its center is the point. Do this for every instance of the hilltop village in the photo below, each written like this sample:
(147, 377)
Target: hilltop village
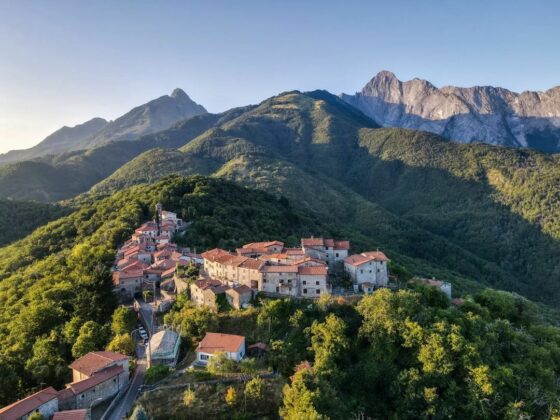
(150, 259)
(151, 264)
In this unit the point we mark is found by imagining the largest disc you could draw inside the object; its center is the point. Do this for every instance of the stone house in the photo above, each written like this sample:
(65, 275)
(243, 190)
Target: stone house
(101, 386)
(239, 296)
(44, 402)
(328, 250)
(367, 267)
(281, 279)
(313, 280)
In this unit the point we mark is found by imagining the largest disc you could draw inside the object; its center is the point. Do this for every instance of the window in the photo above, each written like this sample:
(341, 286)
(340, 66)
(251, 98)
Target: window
(305, 291)
(277, 289)
(304, 282)
(362, 271)
(289, 280)
(336, 255)
(203, 357)
(317, 283)
(317, 291)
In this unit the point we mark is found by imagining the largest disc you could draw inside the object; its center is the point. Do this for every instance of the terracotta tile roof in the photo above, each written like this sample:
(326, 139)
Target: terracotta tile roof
(312, 242)
(320, 242)
(359, 259)
(164, 264)
(147, 227)
(163, 253)
(216, 342)
(274, 257)
(315, 270)
(64, 395)
(95, 361)
(71, 415)
(264, 244)
(126, 275)
(342, 245)
(215, 253)
(293, 251)
(97, 378)
(251, 264)
(204, 284)
(134, 265)
(279, 269)
(24, 406)
(376, 255)
(241, 290)
(307, 260)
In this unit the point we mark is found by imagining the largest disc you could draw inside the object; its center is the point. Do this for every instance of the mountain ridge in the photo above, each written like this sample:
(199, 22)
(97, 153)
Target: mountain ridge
(487, 114)
(155, 115)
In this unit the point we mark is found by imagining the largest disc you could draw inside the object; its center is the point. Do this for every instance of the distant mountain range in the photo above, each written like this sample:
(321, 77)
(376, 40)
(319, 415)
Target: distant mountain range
(482, 113)
(156, 115)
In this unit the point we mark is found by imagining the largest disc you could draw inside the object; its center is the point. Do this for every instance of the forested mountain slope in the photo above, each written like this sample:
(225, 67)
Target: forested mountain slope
(410, 348)
(64, 176)
(20, 218)
(487, 213)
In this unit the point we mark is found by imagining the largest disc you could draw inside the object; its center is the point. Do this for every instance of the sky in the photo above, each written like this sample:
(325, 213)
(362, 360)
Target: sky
(65, 62)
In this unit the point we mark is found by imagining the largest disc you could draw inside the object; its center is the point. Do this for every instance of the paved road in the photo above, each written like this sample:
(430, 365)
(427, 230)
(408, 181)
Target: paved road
(125, 405)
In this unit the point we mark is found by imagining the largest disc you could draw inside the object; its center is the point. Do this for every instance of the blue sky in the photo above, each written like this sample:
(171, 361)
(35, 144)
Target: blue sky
(64, 62)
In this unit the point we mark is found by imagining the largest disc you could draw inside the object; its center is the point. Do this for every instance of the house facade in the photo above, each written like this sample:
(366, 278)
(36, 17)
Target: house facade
(367, 270)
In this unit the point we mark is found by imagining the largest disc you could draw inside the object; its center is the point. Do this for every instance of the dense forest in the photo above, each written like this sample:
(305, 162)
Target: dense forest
(404, 354)
(20, 218)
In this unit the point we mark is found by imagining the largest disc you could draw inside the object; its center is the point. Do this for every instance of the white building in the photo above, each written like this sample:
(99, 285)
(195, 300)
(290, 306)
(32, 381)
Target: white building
(367, 270)
(443, 286)
(327, 250)
(164, 348)
(233, 346)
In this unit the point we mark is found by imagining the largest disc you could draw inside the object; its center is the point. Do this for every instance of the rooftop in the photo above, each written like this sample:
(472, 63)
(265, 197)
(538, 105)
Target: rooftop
(217, 342)
(96, 361)
(164, 343)
(22, 407)
(71, 415)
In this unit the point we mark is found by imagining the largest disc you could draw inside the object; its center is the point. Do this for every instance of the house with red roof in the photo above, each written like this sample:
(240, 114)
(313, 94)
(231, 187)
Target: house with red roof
(97, 375)
(83, 414)
(233, 346)
(367, 270)
(44, 402)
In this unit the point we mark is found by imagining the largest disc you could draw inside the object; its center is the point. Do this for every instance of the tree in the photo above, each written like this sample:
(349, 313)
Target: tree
(146, 294)
(92, 337)
(122, 343)
(189, 397)
(300, 399)
(47, 365)
(328, 341)
(36, 416)
(124, 321)
(220, 363)
(231, 396)
(254, 389)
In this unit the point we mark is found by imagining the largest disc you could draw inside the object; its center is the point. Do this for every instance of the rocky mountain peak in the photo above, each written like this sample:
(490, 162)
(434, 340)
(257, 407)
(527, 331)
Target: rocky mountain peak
(488, 114)
(179, 93)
